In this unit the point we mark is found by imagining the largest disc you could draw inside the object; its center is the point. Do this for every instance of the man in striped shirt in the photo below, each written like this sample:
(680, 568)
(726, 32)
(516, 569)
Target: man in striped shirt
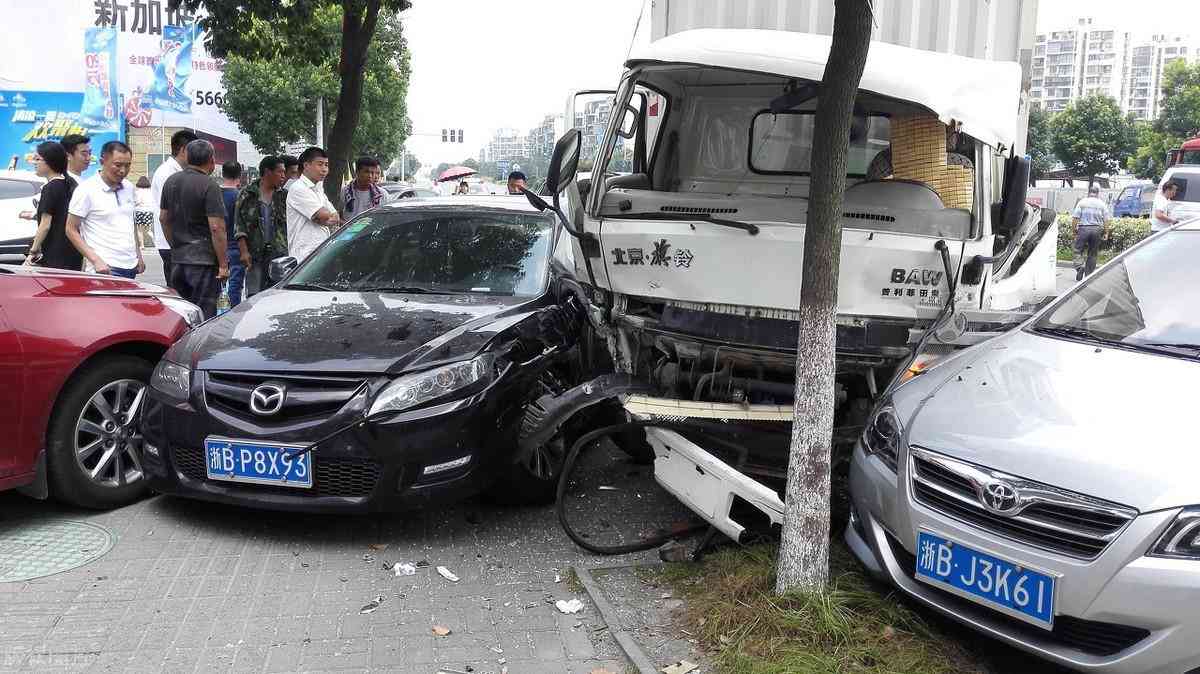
(1090, 219)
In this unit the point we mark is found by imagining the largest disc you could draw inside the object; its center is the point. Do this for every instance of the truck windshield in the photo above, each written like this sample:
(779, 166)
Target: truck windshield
(424, 251)
(782, 143)
(1145, 300)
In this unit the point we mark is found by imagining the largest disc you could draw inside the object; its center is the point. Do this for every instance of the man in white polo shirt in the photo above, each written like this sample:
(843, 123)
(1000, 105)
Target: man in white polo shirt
(100, 218)
(310, 215)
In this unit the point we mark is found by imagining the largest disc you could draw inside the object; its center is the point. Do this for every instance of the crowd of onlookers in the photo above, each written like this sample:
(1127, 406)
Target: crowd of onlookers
(211, 236)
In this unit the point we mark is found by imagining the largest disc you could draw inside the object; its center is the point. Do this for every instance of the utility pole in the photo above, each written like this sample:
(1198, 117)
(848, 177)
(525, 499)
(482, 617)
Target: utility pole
(320, 122)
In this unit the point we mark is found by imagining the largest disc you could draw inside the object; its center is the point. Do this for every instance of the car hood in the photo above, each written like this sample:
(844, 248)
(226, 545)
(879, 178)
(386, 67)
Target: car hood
(1099, 421)
(289, 330)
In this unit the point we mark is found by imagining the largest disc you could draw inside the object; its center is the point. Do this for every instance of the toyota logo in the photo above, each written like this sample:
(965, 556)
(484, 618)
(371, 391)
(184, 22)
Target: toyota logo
(1001, 497)
(267, 399)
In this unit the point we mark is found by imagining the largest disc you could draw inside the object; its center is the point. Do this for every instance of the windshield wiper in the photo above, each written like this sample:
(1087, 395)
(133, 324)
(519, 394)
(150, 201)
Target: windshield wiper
(749, 227)
(312, 286)
(1173, 348)
(413, 290)
(1074, 332)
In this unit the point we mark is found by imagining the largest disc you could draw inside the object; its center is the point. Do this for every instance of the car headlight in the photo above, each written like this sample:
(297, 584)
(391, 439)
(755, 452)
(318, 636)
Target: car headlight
(417, 389)
(1181, 540)
(190, 313)
(172, 380)
(884, 434)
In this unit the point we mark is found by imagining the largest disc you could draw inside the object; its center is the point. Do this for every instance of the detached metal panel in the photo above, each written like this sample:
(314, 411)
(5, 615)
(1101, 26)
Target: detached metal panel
(989, 29)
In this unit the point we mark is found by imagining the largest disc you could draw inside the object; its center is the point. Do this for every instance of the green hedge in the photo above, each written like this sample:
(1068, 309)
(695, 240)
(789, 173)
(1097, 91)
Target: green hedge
(1123, 233)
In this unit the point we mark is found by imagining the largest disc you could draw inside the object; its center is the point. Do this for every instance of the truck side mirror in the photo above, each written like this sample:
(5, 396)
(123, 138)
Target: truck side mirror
(563, 162)
(1016, 189)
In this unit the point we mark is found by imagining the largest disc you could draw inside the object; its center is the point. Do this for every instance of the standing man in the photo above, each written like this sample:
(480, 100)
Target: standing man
(100, 221)
(231, 174)
(1164, 203)
(261, 223)
(169, 167)
(310, 216)
(193, 217)
(291, 168)
(363, 193)
(1090, 218)
(516, 182)
(79, 154)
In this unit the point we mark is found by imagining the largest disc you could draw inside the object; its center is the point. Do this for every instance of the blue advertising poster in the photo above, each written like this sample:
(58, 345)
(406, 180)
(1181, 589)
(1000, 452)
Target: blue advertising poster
(100, 110)
(28, 118)
(169, 89)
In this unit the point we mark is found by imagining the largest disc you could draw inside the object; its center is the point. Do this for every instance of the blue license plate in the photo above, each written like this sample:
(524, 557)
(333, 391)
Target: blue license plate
(1008, 587)
(258, 463)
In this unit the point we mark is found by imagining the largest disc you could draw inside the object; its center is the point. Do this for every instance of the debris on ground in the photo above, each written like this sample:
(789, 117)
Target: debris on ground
(681, 667)
(423, 563)
(496, 649)
(372, 606)
(569, 606)
(404, 569)
(447, 574)
(605, 487)
(557, 578)
(673, 551)
(440, 631)
(378, 547)
(600, 671)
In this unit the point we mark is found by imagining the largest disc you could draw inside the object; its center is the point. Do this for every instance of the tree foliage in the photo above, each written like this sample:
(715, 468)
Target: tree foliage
(1040, 145)
(1149, 161)
(296, 33)
(276, 105)
(1180, 113)
(1091, 137)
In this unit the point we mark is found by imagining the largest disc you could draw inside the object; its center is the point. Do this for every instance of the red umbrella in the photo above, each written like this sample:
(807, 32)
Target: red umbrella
(455, 172)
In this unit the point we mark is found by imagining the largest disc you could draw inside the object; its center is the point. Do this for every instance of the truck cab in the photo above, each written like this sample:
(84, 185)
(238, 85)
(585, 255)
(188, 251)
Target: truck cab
(1135, 201)
(693, 222)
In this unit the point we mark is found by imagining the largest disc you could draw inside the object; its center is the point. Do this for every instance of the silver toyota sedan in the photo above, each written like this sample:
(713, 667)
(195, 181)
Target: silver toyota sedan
(1043, 487)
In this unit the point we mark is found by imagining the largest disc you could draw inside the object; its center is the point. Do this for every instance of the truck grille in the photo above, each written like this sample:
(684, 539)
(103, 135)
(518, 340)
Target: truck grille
(306, 397)
(1089, 636)
(332, 476)
(1039, 515)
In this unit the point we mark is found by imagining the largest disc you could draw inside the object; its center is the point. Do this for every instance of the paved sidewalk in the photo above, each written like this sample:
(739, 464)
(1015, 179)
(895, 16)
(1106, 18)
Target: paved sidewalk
(197, 587)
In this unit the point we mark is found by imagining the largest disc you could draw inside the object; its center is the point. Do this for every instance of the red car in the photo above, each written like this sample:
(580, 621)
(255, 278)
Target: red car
(76, 351)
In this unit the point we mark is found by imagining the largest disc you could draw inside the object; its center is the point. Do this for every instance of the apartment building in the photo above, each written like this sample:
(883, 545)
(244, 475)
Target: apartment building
(1147, 64)
(506, 144)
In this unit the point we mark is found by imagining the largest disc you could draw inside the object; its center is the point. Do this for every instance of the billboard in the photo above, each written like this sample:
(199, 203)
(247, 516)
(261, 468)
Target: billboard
(28, 118)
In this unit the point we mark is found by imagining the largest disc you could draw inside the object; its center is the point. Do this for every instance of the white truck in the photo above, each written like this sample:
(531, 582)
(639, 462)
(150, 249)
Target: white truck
(691, 261)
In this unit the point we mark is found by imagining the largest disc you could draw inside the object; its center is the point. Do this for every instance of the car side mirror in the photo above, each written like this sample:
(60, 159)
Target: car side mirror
(281, 267)
(563, 162)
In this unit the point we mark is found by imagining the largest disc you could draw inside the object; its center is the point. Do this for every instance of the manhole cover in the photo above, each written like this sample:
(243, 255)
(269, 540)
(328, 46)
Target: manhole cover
(42, 549)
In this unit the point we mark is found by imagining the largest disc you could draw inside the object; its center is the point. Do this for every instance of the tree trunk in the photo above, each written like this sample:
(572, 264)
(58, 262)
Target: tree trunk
(804, 549)
(358, 28)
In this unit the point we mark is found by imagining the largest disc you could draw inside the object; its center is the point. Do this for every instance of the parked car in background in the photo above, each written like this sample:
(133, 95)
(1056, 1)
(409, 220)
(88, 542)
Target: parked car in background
(412, 193)
(1135, 201)
(392, 369)
(1041, 487)
(19, 191)
(76, 351)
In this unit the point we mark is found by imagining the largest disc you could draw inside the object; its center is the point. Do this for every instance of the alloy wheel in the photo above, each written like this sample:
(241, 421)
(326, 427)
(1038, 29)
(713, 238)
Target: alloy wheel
(108, 438)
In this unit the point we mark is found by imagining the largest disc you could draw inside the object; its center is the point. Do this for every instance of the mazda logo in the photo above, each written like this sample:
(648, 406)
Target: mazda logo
(267, 399)
(1001, 497)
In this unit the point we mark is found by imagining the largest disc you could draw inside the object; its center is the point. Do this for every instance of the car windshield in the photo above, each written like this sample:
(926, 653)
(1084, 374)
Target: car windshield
(1146, 300)
(438, 251)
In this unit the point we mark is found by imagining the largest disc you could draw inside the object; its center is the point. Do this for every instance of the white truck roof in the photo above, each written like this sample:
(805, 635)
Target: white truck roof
(982, 95)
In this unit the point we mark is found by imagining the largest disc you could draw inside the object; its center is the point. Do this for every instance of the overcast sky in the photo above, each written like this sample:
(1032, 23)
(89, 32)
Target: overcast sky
(481, 65)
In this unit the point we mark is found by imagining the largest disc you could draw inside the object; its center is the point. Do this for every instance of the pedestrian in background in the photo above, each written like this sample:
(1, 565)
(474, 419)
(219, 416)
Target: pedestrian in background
(193, 217)
(100, 216)
(261, 223)
(231, 175)
(1090, 219)
(516, 182)
(291, 167)
(169, 167)
(143, 216)
(310, 215)
(1164, 204)
(363, 193)
(51, 248)
(79, 155)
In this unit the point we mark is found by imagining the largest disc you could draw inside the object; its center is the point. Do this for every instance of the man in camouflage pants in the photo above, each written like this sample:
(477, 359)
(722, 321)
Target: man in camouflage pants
(261, 227)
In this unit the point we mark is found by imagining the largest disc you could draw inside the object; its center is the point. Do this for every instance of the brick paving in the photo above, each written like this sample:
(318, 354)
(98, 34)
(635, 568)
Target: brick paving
(197, 587)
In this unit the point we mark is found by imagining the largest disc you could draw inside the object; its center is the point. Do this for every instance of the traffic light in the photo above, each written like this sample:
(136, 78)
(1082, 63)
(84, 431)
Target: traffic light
(460, 135)
(443, 135)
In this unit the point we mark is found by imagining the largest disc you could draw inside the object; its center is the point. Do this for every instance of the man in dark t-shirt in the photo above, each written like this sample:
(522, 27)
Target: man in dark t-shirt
(231, 174)
(193, 218)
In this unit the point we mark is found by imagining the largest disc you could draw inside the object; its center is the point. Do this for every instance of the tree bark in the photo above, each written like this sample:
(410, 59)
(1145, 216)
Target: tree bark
(804, 549)
(359, 20)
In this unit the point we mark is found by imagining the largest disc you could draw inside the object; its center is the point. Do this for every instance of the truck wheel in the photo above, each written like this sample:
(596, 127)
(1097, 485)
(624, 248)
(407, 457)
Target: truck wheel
(94, 442)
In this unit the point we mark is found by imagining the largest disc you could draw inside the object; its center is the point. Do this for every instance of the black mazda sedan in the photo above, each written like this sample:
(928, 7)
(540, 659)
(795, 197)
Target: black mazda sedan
(392, 368)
